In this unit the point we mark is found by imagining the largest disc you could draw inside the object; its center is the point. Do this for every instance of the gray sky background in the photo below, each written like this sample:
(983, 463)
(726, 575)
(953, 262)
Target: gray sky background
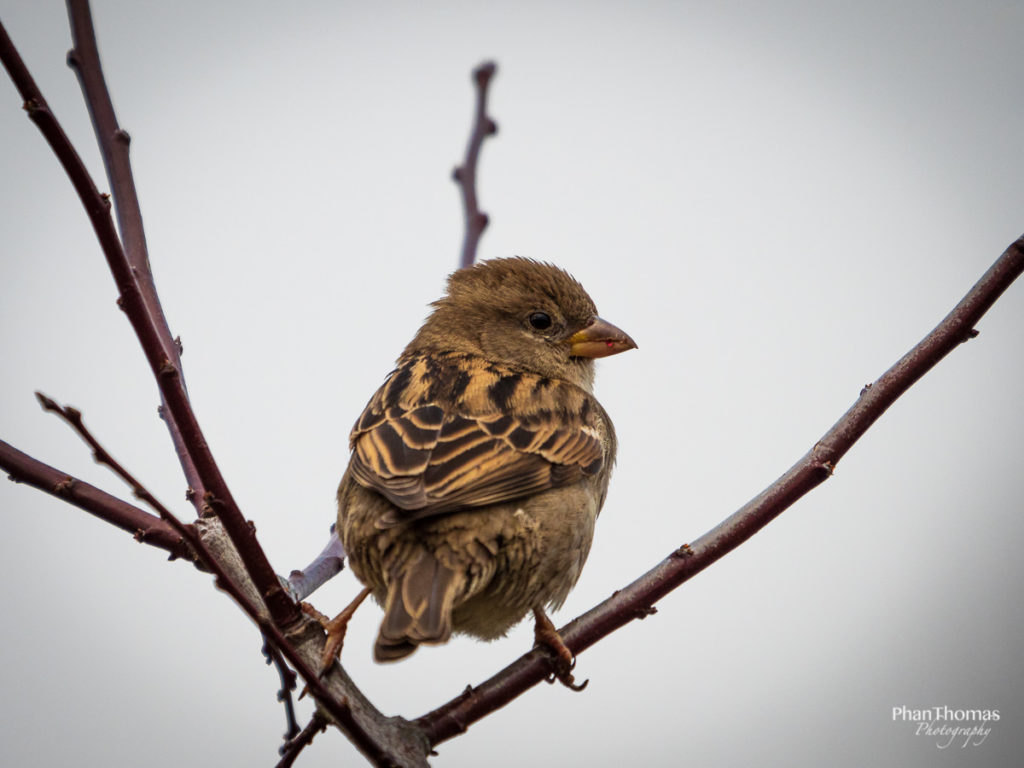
(776, 201)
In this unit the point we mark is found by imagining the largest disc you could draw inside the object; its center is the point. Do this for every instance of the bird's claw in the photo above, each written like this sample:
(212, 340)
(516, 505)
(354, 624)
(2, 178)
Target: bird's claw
(335, 636)
(563, 675)
(563, 662)
(335, 629)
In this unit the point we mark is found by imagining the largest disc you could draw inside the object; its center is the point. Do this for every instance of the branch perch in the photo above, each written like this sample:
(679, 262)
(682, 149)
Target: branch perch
(637, 600)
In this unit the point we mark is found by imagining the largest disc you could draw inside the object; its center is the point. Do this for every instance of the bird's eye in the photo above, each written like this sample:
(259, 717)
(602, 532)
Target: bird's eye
(540, 320)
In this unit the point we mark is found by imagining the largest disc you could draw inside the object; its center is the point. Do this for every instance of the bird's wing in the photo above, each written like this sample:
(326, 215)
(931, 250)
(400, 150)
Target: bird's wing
(441, 438)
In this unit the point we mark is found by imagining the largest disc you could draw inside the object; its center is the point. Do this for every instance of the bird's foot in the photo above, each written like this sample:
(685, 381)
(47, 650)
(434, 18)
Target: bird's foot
(564, 662)
(335, 629)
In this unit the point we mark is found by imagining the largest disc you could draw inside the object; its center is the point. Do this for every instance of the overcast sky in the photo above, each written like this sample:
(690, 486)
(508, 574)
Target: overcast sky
(776, 200)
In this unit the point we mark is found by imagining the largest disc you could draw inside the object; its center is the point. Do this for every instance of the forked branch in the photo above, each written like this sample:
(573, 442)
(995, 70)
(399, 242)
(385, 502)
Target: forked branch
(145, 527)
(351, 711)
(139, 301)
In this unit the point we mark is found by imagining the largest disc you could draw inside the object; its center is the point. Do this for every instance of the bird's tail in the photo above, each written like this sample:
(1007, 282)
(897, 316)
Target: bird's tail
(418, 608)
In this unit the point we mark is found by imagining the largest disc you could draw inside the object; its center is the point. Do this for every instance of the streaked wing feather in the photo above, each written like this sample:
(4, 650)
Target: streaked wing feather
(430, 458)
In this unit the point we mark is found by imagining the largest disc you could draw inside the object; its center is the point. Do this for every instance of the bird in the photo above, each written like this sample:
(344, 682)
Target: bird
(479, 467)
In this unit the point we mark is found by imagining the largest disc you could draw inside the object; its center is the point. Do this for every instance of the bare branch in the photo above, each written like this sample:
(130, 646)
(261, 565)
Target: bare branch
(218, 497)
(73, 417)
(146, 528)
(284, 694)
(636, 601)
(325, 566)
(465, 174)
(363, 724)
(385, 741)
(97, 206)
(113, 143)
(291, 750)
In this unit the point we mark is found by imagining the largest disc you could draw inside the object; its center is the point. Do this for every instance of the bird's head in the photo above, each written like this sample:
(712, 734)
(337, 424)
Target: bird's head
(525, 314)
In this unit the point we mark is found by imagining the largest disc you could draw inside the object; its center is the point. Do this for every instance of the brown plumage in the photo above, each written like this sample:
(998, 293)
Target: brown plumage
(478, 469)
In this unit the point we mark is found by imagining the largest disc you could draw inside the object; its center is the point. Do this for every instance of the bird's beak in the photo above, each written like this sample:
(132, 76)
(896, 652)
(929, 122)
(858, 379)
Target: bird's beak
(599, 339)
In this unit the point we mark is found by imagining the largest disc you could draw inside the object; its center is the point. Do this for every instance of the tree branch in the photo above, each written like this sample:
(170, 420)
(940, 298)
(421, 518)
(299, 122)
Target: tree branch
(636, 601)
(114, 142)
(146, 528)
(385, 741)
(325, 566)
(218, 497)
(284, 694)
(250, 580)
(465, 174)
(97, 206)
(147, 319)
(210, 550)
(364, 724)
(292, 748)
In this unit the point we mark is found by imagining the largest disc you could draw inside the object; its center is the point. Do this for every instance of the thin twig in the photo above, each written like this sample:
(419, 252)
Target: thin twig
(465, 174)
(284, 693)
(328, 564)
(636, 601)
(97, 206)
(114, 143)
(291, 749)
(145, 527)
(73, 417)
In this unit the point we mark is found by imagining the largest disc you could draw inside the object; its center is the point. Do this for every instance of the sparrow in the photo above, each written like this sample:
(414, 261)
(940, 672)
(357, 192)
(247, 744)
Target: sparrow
(479, 467)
